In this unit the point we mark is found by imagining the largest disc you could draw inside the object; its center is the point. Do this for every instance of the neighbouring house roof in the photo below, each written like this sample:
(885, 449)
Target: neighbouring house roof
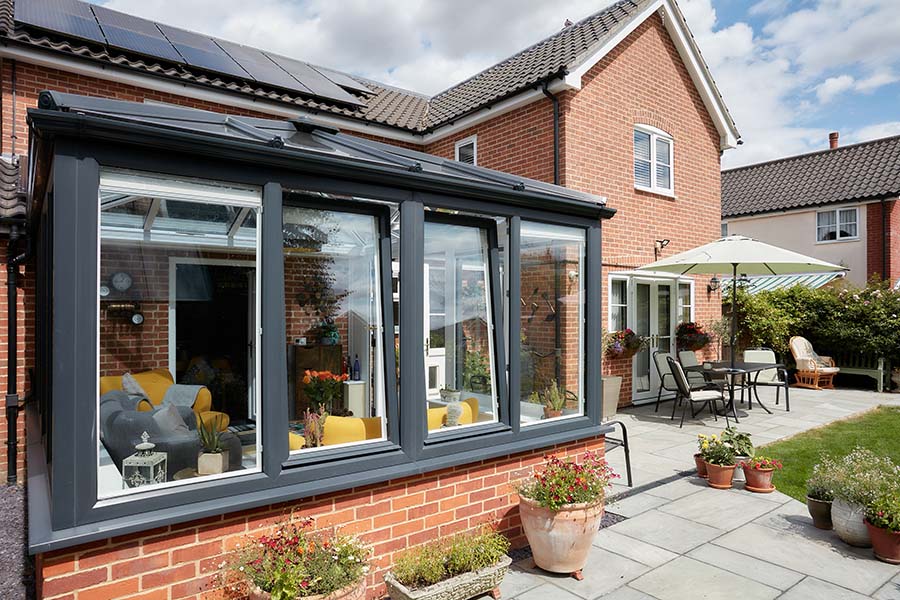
(765, 283)
(365, 100)
(12, 192)
(869, 170)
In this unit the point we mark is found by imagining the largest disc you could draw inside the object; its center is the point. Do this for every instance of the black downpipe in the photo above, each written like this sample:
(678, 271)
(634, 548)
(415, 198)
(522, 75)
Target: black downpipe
(555, 102)
(12, 392)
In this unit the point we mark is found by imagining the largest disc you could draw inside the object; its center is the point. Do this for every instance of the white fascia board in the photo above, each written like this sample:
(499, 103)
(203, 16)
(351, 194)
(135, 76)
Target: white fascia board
(148, 81)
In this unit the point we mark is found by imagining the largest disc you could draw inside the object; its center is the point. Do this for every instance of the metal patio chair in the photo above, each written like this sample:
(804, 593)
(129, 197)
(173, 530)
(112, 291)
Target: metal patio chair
(774, 377)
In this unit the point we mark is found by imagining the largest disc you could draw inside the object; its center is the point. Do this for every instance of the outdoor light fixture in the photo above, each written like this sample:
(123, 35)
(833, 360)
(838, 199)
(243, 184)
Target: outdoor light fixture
(658, 246)
(713, 284)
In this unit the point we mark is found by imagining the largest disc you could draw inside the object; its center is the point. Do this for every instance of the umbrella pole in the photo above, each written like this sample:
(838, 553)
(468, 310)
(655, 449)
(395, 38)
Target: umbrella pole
(733, 313)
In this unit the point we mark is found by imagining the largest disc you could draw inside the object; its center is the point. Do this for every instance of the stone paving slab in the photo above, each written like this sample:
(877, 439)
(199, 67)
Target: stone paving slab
(719, 509)
(667, 531)
(748, 566)
(626, 593)
(612, 571)
(688, 578)
(816, 589)
(890, 590)
(648, 554)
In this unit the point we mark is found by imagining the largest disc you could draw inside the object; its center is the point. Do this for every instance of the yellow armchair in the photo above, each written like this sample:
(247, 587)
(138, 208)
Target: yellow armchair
(342, 430)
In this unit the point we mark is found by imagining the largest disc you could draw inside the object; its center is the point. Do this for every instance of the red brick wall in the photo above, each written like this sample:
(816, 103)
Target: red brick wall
(874, 257)
(25, 347)
(181, 561)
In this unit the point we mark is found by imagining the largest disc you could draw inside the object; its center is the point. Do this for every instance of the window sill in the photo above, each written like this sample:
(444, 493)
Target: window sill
(656, 191)
(838, 241)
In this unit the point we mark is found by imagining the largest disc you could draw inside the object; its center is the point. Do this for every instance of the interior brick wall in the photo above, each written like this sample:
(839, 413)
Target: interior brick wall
(182, 561)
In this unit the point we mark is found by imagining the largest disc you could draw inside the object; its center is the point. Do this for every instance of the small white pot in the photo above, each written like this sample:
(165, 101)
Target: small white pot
(849, 523)
(739, 476)
(450, 395)
(212, 463)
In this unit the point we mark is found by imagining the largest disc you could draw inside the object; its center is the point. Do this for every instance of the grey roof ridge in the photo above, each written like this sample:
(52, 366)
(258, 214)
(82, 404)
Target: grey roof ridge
(838, 150)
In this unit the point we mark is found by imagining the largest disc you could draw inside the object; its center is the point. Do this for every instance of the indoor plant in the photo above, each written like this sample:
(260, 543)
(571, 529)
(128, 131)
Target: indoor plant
(883, 521)
(740, 443)
(295, 562)
(690, 336)
(463, 566)
(857, 478)
(322, 388)
(214, 456)
(819, 494)
(720, 465)
(758, 472)
(553, 399)
(702, 439)
(561, 506)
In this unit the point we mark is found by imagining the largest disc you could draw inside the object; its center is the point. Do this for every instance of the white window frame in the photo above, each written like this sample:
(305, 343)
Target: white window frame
(837, 222)
(472, 139)
(655, 135)
(609, 312)
(680, 306)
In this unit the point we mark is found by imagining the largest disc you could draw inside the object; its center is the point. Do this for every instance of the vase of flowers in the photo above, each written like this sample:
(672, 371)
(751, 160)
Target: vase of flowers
(623, 344)
(294, 562)
(720, 464)
(758, 472)
(322, 388)
(561, 506)
(690, 336)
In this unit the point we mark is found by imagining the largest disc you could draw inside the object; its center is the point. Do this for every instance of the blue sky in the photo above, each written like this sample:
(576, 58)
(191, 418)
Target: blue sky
(790, 70)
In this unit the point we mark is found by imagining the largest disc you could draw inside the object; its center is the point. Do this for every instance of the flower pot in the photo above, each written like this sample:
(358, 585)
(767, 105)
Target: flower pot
(849, 523)
(461, 587)
(450, 395)
(820, 511)
(212, 463)
(701, 466)
(759, 480)
(612, 385)
(720, 477)
(886, 544)
(738, 472)
(454, 411)
(560, 540)
(549, 413)
(354, 591)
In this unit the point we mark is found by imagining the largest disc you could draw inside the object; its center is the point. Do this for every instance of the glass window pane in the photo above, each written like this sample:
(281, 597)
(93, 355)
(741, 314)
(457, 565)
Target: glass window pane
(333, 323)
(642, 173)
(684, 301)
(178, 343)
(641, 145)
(461, 386)
(663, 151)
(826, 226)
(663, 177)
(848, 223)
(552, 322)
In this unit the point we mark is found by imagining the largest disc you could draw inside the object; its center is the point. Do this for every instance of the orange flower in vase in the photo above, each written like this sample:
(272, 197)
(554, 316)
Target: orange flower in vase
(322, 388)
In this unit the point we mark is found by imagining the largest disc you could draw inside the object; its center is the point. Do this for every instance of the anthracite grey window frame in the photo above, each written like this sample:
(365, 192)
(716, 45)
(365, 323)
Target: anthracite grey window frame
(69, 478)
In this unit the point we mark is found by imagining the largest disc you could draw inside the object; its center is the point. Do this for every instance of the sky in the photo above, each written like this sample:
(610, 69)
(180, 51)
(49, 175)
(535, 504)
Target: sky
(790, 71)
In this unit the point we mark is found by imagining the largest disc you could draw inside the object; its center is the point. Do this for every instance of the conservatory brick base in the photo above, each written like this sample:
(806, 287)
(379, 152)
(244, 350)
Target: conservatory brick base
(181, 561)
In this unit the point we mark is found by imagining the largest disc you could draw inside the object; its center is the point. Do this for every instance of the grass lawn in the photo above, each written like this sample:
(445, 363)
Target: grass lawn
(878, 430)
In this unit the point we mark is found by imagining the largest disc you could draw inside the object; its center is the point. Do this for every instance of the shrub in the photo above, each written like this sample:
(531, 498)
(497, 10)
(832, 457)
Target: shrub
(446, 558)
(566, 482)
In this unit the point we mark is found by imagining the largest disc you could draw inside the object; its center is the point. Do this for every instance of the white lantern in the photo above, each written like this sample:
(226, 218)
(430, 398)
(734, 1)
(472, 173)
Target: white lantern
(144, 467)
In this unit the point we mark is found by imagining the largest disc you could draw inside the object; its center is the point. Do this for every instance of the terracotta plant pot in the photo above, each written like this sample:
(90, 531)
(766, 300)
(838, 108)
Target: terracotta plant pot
(820, 511)
(560, 540)
(885, 543)
(759, 480)
(354, 591)
(701, 466)
(549, 413)
(719, 477)
(849, 523)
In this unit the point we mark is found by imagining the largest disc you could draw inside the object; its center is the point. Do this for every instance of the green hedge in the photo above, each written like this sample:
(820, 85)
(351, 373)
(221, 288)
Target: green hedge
(836, 320)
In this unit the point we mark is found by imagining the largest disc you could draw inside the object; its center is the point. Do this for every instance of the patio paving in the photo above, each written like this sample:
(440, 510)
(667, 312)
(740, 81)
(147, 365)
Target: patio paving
(683, 539)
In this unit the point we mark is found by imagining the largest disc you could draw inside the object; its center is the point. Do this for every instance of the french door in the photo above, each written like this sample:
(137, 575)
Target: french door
(654, 317)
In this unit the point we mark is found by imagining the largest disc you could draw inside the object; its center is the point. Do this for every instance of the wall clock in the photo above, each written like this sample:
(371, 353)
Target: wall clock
(121, 281)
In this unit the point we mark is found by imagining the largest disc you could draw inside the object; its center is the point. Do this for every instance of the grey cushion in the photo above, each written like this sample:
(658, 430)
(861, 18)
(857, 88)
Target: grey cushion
(169, 420)
(131, 387)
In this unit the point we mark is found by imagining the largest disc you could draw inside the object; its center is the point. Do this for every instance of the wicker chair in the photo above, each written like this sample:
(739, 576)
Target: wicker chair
(813, 371)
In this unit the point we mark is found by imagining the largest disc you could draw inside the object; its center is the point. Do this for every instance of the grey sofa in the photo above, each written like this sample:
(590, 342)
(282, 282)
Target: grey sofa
(121, 427)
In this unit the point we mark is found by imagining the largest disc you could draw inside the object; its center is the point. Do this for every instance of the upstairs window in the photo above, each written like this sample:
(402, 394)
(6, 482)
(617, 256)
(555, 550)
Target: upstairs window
(653, 160)
(835, 225)
(467, 150)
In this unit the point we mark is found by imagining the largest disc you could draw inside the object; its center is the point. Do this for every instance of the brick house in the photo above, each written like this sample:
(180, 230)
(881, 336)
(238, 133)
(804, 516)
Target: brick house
(838, 205)
(619, 108)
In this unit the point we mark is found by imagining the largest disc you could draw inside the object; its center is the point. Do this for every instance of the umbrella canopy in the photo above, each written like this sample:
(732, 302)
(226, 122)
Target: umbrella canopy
(739, 254)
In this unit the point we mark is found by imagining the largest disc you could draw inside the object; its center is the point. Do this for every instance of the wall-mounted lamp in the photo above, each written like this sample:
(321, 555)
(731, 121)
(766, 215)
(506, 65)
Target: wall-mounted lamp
(658, 246)
(713, 284)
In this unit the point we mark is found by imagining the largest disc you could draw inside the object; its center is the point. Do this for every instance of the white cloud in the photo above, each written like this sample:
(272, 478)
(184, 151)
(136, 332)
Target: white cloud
(769, 7)
(833, 86)
(872, 132)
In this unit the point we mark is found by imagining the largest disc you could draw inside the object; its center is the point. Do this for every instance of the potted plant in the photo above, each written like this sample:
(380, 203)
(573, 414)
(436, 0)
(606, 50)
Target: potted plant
(702, 440)
(857, 478)
(690, 336)
(819, 494)
(720, 464)
(454, 406)
(758, 472)
(743, 449)
(294, 562)
(883, 521)
(213, 458)
(463, 566)
(623, 344)
(561, 506)
(322, 388)
(553, 399)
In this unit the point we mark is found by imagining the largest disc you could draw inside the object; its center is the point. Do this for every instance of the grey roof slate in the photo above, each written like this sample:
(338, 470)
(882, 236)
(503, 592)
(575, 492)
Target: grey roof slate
(385, 105)
(12, 190)
(855, 172)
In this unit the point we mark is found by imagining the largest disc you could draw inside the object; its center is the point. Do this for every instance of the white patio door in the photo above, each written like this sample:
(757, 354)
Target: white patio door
(653, 316)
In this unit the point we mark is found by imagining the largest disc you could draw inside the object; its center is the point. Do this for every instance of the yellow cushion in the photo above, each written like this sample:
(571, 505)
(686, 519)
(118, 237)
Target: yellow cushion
(438, 416)
(212, 416)
(342, 430)
(295, 441)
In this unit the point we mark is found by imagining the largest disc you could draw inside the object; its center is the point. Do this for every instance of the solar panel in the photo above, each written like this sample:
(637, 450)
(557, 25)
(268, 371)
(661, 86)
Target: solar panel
(260, 67)
(318, 84)
(137, 35)
(201, 51)
(345, 81)
(63, 16)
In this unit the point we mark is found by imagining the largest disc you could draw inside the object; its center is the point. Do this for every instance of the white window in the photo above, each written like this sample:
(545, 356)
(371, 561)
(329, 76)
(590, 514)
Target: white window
(618, 304)
(653, 160)
(685, 302)
(835, 225)
(724, 229)
(466, 150)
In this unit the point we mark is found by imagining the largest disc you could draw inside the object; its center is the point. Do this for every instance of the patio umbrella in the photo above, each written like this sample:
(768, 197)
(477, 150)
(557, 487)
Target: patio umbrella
(737, 253)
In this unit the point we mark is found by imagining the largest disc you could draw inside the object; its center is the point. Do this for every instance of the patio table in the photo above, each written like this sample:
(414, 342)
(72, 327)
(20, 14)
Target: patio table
(740, 368)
